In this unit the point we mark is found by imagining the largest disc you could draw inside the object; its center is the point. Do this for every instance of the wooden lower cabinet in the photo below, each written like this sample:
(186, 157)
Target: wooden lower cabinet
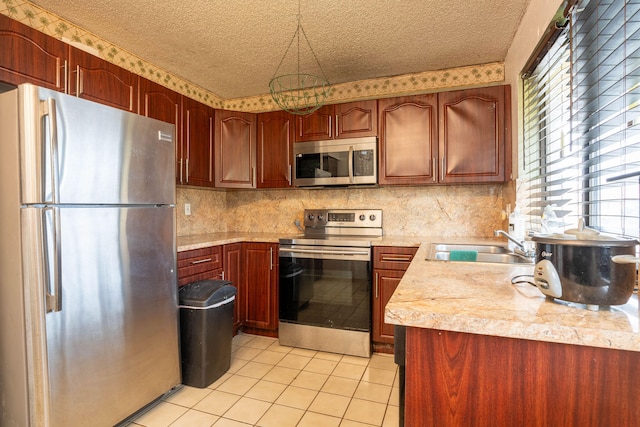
(260, 288)
(199, 264)
(232, 256)
(455, 379)
(389, 266)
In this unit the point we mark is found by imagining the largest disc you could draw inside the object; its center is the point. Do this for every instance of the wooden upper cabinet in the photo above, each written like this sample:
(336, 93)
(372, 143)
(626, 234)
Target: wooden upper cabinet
(348, 120)
(29, 56)
(408, 134)
(97, 80)
(160, 103)
(235, 149)
(474, 129)
(275, 149)
(356, 119)
(197, 143)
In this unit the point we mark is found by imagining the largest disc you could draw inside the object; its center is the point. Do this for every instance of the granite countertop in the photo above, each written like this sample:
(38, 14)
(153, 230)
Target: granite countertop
(187, 243)
(479, 298)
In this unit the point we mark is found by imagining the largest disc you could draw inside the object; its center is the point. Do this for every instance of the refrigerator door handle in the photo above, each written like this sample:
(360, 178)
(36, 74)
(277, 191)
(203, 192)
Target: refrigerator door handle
(49, 109)
(51, 231)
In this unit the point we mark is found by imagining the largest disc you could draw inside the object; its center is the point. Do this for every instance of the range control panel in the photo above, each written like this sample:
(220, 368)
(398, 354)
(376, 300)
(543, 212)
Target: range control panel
(321, 218)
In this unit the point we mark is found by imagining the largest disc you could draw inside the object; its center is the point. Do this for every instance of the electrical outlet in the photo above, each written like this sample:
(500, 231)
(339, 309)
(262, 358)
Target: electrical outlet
(187, 208)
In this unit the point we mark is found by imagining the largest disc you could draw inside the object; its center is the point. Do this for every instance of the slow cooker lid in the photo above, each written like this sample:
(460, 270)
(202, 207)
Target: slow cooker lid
(584, 240)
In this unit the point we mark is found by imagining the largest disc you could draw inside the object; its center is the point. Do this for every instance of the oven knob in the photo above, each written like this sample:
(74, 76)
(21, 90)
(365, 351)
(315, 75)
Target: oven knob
(372, 217)
(363, 217)
(320, 218)
(310, 216)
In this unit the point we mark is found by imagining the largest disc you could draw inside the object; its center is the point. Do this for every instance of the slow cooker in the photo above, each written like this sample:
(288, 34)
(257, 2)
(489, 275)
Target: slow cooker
(586, 267)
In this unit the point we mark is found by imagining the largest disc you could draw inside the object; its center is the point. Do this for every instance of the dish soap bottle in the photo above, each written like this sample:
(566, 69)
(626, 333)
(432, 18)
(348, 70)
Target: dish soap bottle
(516, 227)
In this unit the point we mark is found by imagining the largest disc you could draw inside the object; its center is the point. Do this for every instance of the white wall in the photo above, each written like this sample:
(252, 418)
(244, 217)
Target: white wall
(532, 27)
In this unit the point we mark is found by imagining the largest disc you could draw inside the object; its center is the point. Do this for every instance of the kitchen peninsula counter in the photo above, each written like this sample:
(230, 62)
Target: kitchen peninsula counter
(479, 298)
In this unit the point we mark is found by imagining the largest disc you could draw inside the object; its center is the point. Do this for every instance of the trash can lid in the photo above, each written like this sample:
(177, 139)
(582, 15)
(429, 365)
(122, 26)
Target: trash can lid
(204, 293)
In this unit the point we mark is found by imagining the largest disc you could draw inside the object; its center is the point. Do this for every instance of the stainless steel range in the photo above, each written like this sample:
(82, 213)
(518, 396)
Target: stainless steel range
(325, 281)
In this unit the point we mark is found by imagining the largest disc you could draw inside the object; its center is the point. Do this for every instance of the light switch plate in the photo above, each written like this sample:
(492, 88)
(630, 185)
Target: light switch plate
(187, 208)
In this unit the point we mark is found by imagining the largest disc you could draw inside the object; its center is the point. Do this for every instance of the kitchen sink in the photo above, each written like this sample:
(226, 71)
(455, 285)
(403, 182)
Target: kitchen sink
(485, 253)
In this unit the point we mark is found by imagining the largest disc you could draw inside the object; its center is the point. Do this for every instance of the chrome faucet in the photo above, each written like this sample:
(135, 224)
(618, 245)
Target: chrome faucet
(498, 233)
(521, 250)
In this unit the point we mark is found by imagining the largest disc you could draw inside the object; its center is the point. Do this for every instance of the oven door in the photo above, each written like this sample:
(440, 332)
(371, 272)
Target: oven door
(327, 287)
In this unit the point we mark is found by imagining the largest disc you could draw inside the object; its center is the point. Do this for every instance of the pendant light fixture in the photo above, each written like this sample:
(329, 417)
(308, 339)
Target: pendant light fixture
(299, 92)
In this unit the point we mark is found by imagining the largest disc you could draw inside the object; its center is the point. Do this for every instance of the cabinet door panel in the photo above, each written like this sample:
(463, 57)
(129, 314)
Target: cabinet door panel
(408, 140)
(29, 56)
(385, 284)
(235, 148)
(198, 143)
(275, 138)
(472, 135)
(233, 273)
(260, 285)
(97, 80)
(356, 119)
(316, 126)
(161, 103)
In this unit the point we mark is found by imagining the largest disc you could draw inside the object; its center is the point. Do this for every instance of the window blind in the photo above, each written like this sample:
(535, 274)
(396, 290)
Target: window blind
(581, 121)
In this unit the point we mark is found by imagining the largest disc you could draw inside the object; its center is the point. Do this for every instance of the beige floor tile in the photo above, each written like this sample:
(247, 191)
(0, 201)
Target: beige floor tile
(261, 342)
(237, 384)
(266, 391)
(220, 380)
(312, 419)
(242, 339)
(161, 415)
(245, 353)
(391, 417)
(247, 410)
(281, 375)
(193, 418)
(320, 366)
(373, 392)
(355, 360)
(364, 411)
(236, 364)
(328, 356)
(379, 376)
(341, 386)
(383, 361)
(349, 423)
(254, 370)
(294, 361)
(303, 352)
(188, 396)
(217, 402)
(269, 357)
(297, 397)
(226, 422)
(279, 348)
(349, 370)
(394, 399)
(280, 416)
(310, 380)
(330, 404)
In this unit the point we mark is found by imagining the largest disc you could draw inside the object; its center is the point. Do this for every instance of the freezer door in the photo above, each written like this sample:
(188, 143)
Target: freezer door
(79, 152)
(112, 340)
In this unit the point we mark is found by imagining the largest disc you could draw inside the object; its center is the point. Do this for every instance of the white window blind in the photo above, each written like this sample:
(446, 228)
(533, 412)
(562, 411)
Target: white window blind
(582, 120)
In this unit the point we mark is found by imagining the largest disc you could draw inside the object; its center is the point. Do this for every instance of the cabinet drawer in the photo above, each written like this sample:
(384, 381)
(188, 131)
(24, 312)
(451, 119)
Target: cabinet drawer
(199, 263)
(393, 257)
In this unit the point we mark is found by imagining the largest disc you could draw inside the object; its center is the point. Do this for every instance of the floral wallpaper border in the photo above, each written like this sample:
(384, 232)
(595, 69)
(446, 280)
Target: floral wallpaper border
(428, 81)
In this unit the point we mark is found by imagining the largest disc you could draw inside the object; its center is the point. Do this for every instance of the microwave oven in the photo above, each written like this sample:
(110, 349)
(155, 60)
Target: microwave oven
(352, 161)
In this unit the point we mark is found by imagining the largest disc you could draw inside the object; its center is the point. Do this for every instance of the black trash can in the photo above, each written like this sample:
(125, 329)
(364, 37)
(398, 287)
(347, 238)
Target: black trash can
(206, 330)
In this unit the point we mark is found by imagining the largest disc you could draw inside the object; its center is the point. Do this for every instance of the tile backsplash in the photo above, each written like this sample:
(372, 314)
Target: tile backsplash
(460, 210)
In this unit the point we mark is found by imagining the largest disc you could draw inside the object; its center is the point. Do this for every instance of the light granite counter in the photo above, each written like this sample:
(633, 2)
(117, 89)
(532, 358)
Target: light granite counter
(479, 298)
(197, 241)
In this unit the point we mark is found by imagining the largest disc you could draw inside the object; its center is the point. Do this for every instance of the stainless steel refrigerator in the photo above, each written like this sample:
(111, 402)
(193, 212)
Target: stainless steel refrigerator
(88, 293)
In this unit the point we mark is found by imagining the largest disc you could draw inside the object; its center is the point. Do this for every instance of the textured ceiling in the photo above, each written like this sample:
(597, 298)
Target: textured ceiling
(233, 47)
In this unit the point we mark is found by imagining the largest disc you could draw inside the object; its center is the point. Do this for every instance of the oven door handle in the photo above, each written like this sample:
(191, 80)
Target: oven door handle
(323, 252)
